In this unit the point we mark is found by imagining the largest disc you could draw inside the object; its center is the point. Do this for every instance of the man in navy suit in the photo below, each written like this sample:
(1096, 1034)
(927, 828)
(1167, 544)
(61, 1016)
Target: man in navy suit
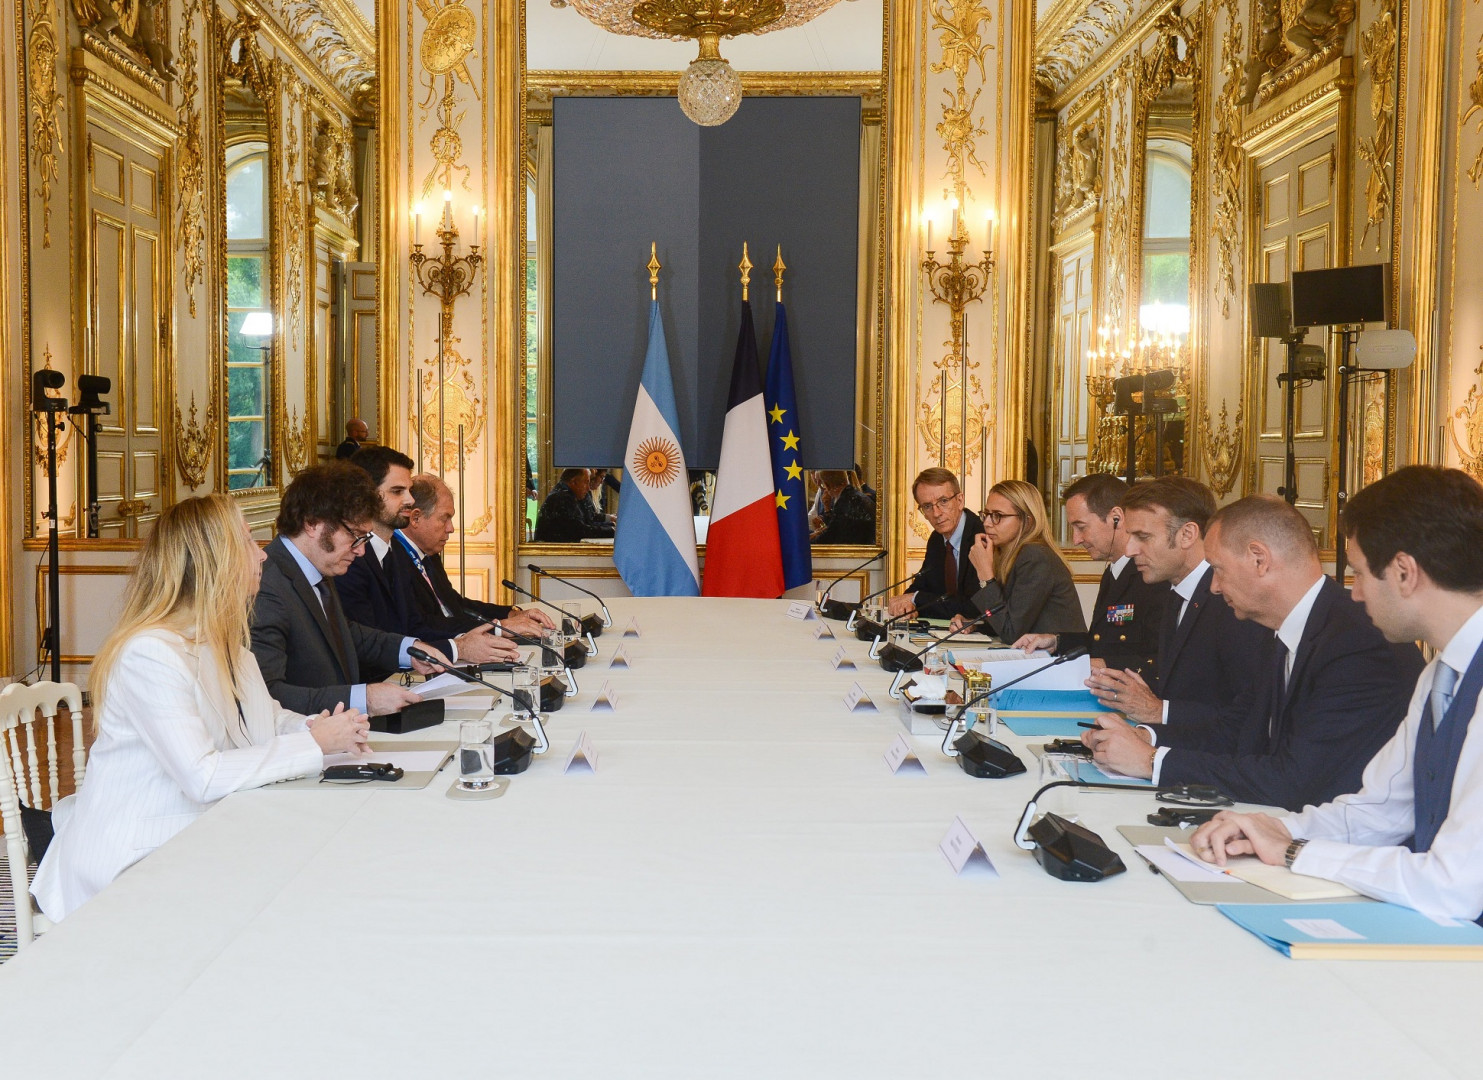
(377, 590)
(1207, 656)
(1330, 695)
(945, 584)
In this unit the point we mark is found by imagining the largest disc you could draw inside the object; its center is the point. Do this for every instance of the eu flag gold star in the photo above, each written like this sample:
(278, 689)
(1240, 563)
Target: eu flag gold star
(783, 501)
(790, 441)
(794, 472)
(777, 412)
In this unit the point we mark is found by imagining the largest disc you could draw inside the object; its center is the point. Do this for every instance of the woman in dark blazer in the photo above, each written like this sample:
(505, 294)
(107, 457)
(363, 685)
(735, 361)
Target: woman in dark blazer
(1024, 585)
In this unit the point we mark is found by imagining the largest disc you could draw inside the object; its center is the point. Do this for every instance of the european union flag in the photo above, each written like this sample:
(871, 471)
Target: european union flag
(782, 443)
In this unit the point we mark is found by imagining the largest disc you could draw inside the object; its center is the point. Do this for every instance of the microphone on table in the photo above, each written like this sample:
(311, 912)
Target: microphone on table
(549, 655)
(895, 658)
(513, 748)
(983, 757)
(590, 624)
(866, 628)
(568, 624)
(839, 609)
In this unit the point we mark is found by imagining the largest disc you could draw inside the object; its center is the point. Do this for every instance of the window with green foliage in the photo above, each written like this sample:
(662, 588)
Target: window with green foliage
(249, 317)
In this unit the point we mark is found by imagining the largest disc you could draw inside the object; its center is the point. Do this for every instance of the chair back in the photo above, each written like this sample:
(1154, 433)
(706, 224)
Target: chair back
(21, 775)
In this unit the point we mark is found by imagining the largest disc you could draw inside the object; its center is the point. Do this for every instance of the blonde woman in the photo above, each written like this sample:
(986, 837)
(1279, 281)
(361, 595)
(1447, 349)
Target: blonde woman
(182, 715)
(1024, 584)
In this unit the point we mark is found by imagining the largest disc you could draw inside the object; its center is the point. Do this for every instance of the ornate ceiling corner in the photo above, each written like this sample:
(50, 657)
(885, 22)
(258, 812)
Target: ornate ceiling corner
(1079, 40)
(337, 40)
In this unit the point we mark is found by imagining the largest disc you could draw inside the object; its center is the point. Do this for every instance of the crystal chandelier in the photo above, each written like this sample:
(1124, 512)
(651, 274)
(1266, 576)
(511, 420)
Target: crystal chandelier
(710, 90)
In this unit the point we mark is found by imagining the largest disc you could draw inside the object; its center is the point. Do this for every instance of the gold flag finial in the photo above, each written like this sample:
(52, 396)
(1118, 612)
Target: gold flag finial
(653, 268)
(745, 266)
(777, 272)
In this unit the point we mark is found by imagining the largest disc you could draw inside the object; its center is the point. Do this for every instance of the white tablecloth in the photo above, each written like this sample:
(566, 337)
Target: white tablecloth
(742, 889)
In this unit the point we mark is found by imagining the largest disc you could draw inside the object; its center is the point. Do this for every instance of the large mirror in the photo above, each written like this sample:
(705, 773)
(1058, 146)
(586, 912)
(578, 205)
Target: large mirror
(843, 501)
(248, 288)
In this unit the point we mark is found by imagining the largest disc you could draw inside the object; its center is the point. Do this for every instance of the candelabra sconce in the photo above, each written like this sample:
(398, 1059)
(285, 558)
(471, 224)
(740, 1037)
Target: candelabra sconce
(957, 283)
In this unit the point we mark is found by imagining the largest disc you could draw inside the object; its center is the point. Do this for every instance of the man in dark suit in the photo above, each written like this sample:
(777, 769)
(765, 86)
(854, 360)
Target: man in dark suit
(429, 525)
(561, 519)
(1332, 693)
(1129, 611)
(310, 654)
(379, 590)
(945, 584)
(1207, 656)
(356, 433)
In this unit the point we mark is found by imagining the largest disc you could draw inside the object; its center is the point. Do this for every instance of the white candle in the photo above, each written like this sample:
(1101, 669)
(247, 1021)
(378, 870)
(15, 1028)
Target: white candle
(475, 238)
(991, 225)
(448, 208)
(417, 223)
(929, 231)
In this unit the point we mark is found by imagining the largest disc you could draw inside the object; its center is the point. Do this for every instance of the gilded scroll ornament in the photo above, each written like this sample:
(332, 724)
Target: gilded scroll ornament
(1071, 48)
(1378, 45)
(447, 43)
(1116, 207)
(460, 397)
(298, 443)
(1475, 103)
(1078, 171)
(1292, 39)
(349, 61)
(1220, 446)
(333, 174)
(296, 198)
(193, 442)
(960, 24)
(191, 199)
(480, 523)
(1229, 159)
(46, 107)
(1470, 446)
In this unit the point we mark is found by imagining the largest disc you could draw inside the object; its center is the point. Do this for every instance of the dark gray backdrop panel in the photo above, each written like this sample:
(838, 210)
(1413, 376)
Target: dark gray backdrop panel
(626, 172)
(783, 170)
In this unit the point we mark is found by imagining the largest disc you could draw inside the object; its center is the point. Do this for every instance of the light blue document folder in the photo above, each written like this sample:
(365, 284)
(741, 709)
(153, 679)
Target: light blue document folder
(1061, 711)
(1356, 931)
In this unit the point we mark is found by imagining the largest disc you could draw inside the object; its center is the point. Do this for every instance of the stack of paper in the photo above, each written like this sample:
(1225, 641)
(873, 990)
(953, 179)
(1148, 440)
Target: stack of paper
(1277, 879)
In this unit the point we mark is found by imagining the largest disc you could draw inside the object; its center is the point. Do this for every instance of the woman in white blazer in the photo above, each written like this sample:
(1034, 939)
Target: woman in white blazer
(183, 717)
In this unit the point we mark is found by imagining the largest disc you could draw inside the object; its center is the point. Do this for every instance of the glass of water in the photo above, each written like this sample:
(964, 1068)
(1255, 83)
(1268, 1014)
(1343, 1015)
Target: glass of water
(526, 680)
(475, 755)
(572, 621)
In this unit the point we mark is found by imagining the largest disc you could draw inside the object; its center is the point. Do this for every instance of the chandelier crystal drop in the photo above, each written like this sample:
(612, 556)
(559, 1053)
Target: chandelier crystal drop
(710, 90)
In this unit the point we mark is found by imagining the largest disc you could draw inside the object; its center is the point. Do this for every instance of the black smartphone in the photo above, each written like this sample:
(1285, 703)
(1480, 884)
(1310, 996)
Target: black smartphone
(363, 770)
(1173, 815)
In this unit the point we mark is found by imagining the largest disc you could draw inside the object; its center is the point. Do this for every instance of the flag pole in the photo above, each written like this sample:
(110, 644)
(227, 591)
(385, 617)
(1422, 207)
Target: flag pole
(777, 272)
(653, 266)
(745, 266)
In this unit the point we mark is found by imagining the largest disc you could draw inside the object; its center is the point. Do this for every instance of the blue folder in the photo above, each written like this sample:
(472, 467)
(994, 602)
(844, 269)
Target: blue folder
(1356, 932)
(1061, 711)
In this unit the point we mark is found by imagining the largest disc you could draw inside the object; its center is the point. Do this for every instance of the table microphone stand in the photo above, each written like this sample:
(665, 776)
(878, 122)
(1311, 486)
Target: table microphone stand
(541, 745)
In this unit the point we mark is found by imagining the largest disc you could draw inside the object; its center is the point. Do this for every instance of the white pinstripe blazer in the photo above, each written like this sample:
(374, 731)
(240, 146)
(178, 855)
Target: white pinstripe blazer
(163, 755)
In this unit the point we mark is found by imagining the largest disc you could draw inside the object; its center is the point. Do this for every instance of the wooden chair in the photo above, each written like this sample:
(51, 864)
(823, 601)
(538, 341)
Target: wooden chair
(21, 776)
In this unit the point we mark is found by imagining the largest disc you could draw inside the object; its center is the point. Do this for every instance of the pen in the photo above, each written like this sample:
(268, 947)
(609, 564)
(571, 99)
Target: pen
(1083, 723)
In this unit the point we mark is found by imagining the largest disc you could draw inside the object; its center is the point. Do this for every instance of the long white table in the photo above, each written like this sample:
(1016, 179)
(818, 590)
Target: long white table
(742, 889)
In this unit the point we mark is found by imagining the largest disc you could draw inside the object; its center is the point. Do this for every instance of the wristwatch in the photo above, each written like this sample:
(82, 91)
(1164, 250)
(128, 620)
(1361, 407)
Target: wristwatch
(1292, 852)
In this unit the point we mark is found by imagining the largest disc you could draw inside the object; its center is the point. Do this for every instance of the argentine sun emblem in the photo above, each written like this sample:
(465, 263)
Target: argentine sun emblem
(656, 463)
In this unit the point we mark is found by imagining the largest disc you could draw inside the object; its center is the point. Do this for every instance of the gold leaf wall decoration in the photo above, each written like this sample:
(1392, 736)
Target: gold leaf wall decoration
(1475, 103)
(295, 190)
(1229, 160)
(447, 43)
(1378, 44)
(191, 171)
(298, 443)
(1470, 446)
(1220, 446)
(193, 442)
(46, 107)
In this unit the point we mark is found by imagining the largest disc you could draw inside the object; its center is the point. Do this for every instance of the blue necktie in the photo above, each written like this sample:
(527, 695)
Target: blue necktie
(1444, 684)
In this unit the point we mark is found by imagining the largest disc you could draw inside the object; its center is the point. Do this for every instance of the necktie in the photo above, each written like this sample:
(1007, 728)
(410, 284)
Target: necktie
(327, 598)
(949, 570)
(1279, 685)
(1444, 684)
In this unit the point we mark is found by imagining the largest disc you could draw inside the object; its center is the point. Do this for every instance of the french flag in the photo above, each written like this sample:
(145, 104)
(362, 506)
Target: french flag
(743, 554)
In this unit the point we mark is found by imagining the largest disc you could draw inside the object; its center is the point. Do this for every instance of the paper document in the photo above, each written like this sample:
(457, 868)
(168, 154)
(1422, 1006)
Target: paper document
(442, 686)
(1174, 865)
(1277, 879)
(1072, 675)
(407, 760)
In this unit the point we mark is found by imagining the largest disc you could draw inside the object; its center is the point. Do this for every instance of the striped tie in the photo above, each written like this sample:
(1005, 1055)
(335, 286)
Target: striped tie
(1444, 683)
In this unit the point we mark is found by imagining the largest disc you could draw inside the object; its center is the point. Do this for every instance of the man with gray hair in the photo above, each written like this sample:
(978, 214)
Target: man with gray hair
(1333, 695)
(429, 525)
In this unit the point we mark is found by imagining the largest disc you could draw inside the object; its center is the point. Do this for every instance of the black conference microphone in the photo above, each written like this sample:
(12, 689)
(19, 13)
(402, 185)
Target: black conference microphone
(879, 632)
(590, 624)
(839, 609)
(548, 656)
(895, 658)
(569, 626)
(866, 628)
(984, 757)
(512, 748)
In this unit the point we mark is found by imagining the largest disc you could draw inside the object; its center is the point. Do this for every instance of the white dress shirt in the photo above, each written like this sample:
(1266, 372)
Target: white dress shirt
(1117, 566)
(170, 743)
(1356, 839)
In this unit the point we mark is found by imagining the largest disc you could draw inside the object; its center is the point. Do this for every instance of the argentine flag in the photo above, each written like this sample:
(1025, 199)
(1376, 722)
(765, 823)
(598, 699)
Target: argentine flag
(654, 549)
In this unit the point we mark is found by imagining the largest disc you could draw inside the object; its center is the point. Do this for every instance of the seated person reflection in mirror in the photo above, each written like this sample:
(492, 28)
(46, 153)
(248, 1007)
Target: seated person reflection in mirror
(945, 584)
(850, 518)
(423, 538)
(356, 434)
(1413, 832)
(182, 714)
(1024, 583)
(562, 520)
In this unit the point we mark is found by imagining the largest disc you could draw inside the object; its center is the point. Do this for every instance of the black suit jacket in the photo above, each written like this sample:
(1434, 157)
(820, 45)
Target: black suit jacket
(382, 595)
(1037, 597)
(1133, 641)
(345, 449)
(1206, 664)
(563, 521)
(930, 581)
(1310, 742)
(442, 589)
(293, 644)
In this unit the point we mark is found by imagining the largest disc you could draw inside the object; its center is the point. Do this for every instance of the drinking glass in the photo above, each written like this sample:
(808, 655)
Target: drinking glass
(475, 755)
(571, 623)
(526, 683)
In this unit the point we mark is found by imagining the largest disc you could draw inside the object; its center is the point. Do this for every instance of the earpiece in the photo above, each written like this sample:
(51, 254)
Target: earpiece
(1116, 521)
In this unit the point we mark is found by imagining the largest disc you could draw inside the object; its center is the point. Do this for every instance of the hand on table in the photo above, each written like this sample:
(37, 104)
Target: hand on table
(346, 730)
(385, 697)
(900, 605)
(1120, 748)
(1034, 642)
(529, 621)
(1126, 692)
(481, 646)
(1229, 834)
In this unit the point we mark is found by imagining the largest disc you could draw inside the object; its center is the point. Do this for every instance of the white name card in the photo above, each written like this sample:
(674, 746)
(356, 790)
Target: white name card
(582, 754)
(960, 847)
(801, 609)
(841, 659)
(607, 699)
(857, 700)
(620, 658)
(632, 629)
(822, 631)
(900, 756)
